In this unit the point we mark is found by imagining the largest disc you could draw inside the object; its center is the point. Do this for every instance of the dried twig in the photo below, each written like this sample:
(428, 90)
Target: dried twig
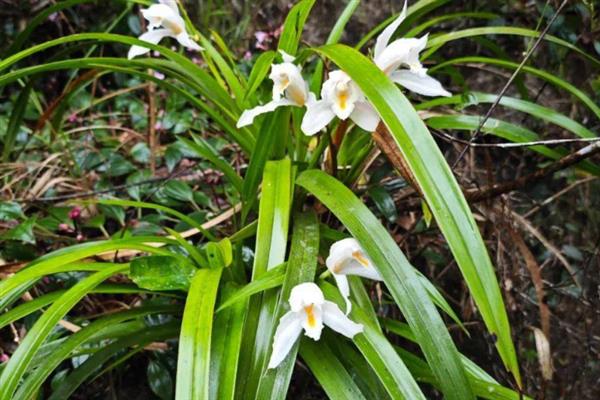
(550, 142)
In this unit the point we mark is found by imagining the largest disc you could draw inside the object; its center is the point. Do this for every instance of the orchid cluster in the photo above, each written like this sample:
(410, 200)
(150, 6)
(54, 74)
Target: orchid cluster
(340, 96)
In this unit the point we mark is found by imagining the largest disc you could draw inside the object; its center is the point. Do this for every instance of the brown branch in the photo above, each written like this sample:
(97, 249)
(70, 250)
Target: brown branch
(477, 195)
(565, 162)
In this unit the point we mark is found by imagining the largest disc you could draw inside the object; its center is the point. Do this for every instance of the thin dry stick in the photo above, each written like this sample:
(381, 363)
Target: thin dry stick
(551, 142)
(563, 163)
(557, 195)
(488, 114)
(539, 236)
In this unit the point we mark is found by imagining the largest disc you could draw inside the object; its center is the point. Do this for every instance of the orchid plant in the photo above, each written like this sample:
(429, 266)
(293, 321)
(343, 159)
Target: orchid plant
(239, 290)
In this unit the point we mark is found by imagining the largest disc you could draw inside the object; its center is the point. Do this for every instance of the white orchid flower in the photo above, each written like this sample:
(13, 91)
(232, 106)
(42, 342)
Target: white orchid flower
(392, 57)
(309, 312)
(340, 97)
(346, 257)
(289, 89)
(165, 15)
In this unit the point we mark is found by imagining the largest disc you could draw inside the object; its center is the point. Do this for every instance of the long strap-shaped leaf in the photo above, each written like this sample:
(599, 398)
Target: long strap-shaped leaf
(329, 371)
(441, 191)
(379, 352)
(193, 361)
(548, 77)
(398, 275)
(302, 265)
(43, 369)
(535, 110)
(20, 360)
(271, 244)
(226, 347)
(139, 339)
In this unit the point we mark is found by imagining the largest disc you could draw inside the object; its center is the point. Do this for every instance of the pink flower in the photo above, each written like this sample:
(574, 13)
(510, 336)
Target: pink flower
(262, 40)
(64, 228)
(75, 213)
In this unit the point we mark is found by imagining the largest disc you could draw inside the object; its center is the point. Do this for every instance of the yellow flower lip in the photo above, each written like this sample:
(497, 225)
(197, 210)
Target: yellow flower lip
(310, 314)
(358, 255)
(343, 99)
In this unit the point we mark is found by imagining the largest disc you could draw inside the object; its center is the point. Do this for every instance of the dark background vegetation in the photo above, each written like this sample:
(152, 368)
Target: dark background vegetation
(560, 221)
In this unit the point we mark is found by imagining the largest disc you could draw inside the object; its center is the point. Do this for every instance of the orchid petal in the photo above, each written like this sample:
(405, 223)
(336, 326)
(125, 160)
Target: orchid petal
(286, 57)
(334, 318)
(153, 37)
(288, 330)
(354, 267)
(399, 52)
(305, 294)
(184, 39)
(318, 115)
(287, 79)
(156, 14)
(344, 288)
(365, 116)
(384, 38)
(419, 83)
(248, 116)
(172, 4)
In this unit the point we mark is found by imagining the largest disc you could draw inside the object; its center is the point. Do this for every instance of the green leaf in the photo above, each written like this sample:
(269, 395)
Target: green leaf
(161, 273)
(273, 126)
(398, 275)
(226, 346)
(21, 358)
(259, 72)
(293, 26)
(436, 41)
(22, 232)
(443, 195)
(138, 339)
(541, 112)
(141, 152)
(167, 210)
(502, 129)
(427, 216)
(95, 329)
(14, 124)
(159, 380)
(193, 360)
(302, 264)
(551, 78)
(384, 202)
(329, 371)
(379, 352)
(179, 190)
(10, 211)
(271, 244)
(269, 280)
